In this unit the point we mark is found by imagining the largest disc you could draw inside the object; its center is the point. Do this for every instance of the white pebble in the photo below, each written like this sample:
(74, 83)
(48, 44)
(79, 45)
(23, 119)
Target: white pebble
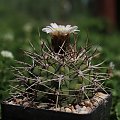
(62, 109)
(67, 110)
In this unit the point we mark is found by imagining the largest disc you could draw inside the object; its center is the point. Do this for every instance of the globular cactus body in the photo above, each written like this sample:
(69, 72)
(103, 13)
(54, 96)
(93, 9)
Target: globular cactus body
(61, 78)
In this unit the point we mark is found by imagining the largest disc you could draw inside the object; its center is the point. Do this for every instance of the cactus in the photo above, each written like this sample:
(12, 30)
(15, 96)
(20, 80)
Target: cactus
(60, 75)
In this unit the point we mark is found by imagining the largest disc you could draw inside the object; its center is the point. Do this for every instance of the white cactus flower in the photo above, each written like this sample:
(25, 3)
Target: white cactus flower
(55, 29)
(7, 54)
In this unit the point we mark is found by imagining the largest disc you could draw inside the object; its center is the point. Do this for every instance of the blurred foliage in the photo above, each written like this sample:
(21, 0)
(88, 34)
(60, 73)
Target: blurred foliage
(19, 23)
(118, 110)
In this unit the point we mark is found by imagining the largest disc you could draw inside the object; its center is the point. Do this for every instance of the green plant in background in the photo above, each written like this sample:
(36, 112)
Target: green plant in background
(6, 58)
(117, 109)
(61, 75)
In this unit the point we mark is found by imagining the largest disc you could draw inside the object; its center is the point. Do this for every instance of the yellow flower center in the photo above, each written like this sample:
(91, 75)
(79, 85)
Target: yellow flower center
(59, 29)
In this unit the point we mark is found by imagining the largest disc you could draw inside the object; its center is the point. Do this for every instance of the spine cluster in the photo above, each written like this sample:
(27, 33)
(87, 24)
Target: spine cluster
(59, 78)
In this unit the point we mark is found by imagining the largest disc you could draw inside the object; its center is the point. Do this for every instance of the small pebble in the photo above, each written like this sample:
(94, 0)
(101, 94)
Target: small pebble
(25, 99)
(73, 110)
(62, 109)
(89, 109)
(102, 95)
(88, 103)
(26, 104)
(98, 99)
(52, 108)
(68, 110)
(96, 103)
(18, 101)
(82, 103)
(11, 103)
(83, 108)
(57, 109)
(42, 105)
(77, 106)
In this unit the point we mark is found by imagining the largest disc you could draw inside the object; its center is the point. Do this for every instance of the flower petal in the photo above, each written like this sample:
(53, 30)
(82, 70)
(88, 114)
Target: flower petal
(68, 26)
(73, 29)
(54, 25)
(55, 29)
(47, 30)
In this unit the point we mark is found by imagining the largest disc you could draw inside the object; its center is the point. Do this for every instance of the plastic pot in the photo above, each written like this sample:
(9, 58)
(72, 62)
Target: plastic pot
(15, 112)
